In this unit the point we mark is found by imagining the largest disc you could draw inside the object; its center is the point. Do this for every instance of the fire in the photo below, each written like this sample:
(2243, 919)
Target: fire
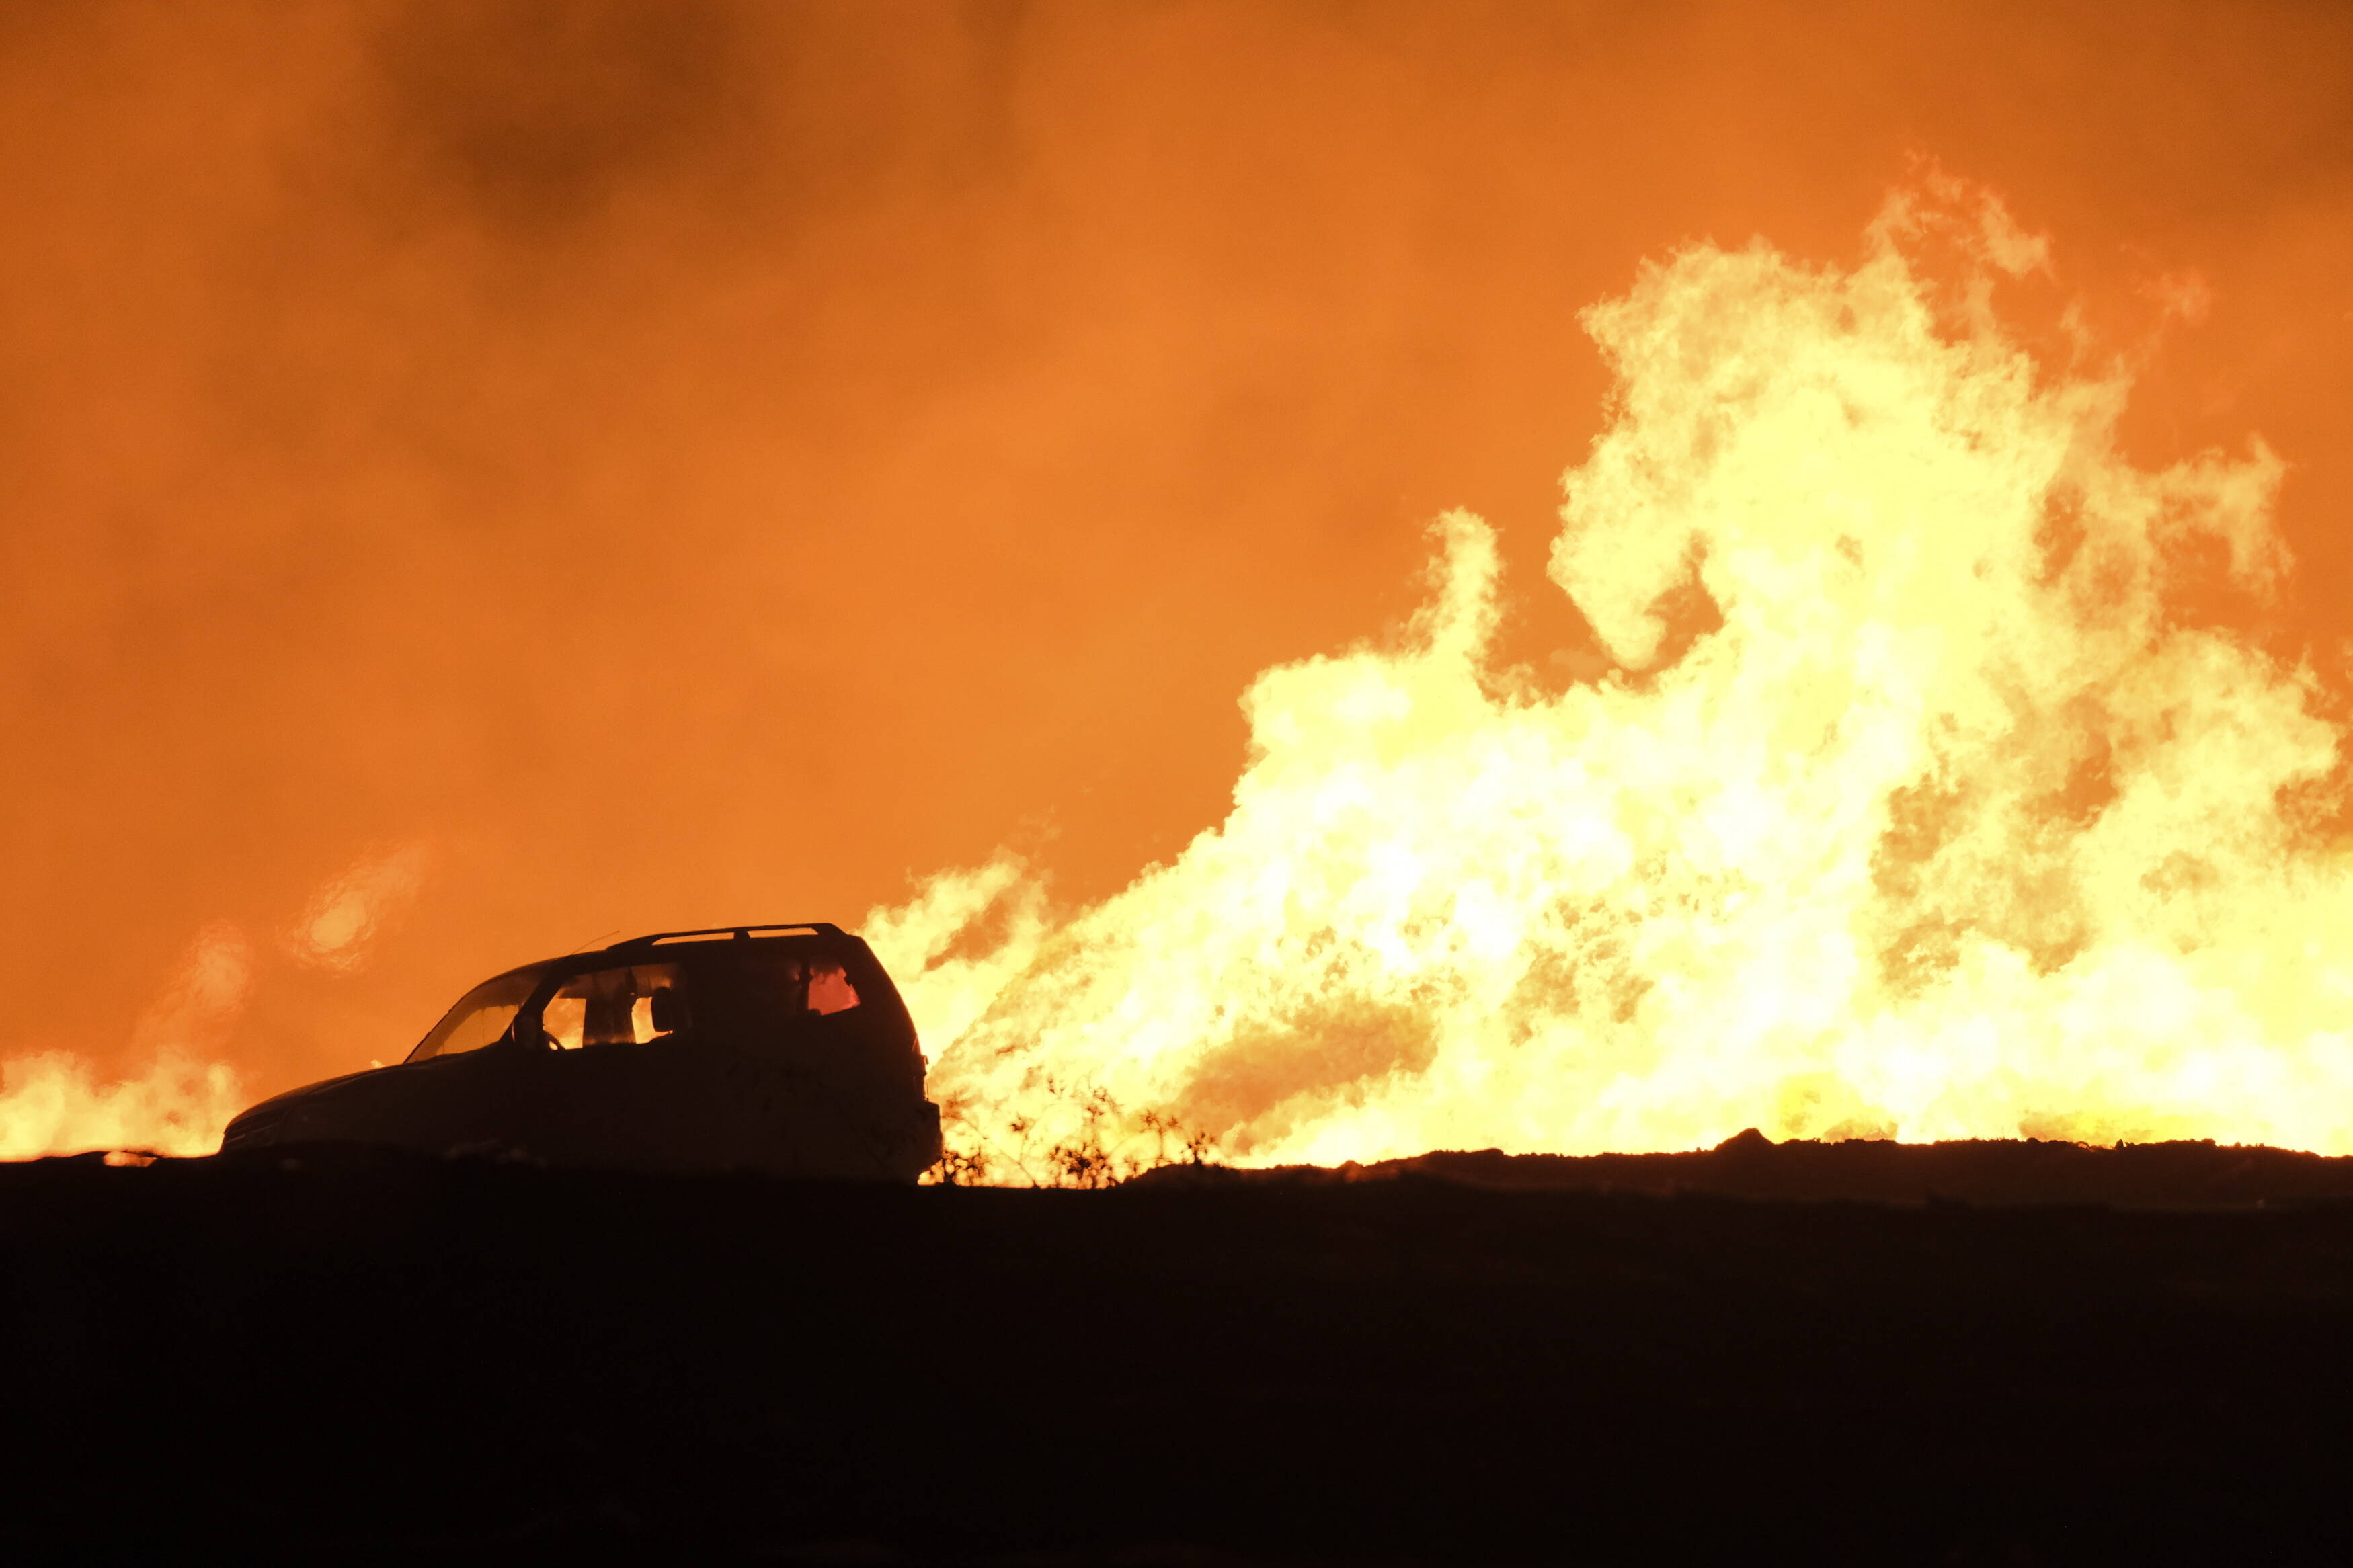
(1910, 800)
(50, 1104)
(1910, 789)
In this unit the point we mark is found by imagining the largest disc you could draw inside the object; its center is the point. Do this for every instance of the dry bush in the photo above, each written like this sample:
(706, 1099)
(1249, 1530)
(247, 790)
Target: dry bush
(1084, 1139)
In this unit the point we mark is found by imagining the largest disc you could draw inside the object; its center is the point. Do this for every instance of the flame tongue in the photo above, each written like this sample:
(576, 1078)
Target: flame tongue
(1949, 828)
(1905, 802)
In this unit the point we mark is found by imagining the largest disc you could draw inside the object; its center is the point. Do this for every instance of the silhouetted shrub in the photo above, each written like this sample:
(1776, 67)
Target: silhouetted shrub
(1092, 1141)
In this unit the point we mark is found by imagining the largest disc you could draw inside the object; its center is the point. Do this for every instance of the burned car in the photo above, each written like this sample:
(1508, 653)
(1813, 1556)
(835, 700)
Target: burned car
(783, 1050)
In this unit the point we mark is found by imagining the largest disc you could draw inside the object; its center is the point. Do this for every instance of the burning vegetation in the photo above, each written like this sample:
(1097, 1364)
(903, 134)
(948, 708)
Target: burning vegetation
(1907, 795)
(1910, 788)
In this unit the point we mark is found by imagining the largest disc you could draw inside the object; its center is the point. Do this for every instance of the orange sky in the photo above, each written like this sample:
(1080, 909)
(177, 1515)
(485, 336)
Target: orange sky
(691, 462)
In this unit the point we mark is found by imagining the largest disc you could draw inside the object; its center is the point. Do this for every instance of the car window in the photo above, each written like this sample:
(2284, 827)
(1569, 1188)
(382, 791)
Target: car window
(480, 1017)
(829, 990)
(792, 984)
(631, 1006)
(748, 996)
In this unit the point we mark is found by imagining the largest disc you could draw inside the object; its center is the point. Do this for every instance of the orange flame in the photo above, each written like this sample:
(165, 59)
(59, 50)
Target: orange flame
(1901, 796)
(50, 1104)
(1955, 825)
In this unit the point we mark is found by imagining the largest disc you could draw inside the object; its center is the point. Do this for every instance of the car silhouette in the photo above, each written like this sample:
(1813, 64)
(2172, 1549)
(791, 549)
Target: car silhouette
(781, 1049)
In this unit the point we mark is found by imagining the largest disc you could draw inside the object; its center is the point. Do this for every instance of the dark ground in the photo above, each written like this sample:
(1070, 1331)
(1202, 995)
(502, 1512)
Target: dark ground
(362, 1359)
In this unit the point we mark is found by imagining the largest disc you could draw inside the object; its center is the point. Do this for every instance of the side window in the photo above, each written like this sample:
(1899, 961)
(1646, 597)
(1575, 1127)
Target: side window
(748, 998)
(784, 985)
(635, 1005)
(830, 991)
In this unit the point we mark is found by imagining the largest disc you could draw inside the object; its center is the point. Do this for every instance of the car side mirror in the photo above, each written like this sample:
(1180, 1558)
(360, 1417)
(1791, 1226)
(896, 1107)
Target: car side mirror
(669, 1010)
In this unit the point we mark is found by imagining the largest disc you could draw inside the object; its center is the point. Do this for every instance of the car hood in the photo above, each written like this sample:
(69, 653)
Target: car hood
(280, 1116)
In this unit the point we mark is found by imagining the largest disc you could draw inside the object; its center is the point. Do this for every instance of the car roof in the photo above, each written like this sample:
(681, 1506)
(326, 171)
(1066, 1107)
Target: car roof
(737, 933)
(639, 949)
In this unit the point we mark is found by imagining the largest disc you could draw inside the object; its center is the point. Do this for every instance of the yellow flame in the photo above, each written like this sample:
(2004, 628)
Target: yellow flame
(1911, 807)
(52, 1103)
(948, 983)
(49, 1104)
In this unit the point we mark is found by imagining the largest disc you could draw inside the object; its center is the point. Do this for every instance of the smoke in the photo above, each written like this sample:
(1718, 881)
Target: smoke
(715, 461)
(340, 924)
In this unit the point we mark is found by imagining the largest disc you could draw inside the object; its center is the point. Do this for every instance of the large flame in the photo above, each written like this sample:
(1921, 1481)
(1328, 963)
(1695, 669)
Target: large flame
(1913, 803)
(1908, 794)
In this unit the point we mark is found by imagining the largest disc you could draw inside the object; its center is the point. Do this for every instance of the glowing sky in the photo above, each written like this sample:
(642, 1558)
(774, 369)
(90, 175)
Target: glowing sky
(482, 476)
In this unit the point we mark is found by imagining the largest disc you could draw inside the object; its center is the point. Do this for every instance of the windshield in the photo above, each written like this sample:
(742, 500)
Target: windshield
(480, 1017)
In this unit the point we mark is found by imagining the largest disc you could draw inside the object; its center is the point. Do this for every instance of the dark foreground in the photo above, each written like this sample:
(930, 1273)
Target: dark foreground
(362, 1360)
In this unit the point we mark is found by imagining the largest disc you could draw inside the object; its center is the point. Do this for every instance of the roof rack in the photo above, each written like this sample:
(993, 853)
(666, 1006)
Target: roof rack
(739, 933)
